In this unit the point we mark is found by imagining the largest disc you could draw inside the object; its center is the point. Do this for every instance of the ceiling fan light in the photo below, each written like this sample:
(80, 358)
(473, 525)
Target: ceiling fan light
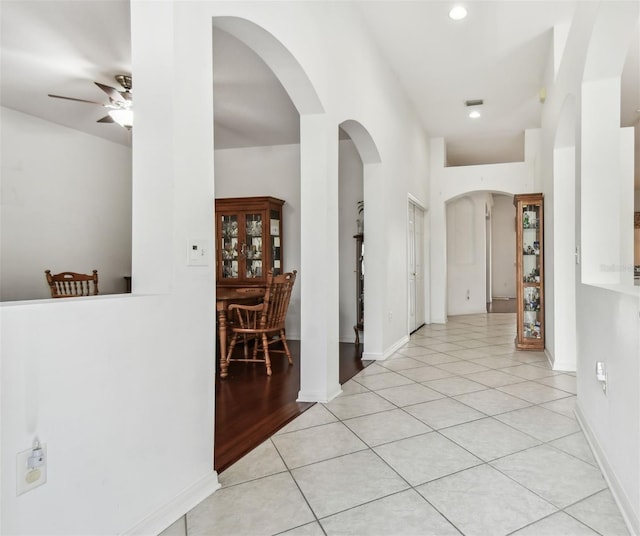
(458, 13)
(124, 117)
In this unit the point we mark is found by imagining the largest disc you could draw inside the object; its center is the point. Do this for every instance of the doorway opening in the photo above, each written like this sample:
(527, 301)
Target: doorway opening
(418, 253)
(481, 253)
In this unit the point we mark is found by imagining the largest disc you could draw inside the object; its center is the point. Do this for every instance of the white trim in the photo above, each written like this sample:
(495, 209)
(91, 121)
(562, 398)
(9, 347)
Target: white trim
(619, 496)
(176, 508)
(395, 347)
(559, 365)
(480, 311)
(318, 396)
(388, 352)
(413, 199)
(550, 358)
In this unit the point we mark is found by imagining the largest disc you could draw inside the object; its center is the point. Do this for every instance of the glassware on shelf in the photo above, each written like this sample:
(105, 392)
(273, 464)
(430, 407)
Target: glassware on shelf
(530, 271)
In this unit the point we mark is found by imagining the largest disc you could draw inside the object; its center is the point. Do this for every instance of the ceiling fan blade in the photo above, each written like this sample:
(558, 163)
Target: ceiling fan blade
(106, 119)
(113, 93)
(74, 99)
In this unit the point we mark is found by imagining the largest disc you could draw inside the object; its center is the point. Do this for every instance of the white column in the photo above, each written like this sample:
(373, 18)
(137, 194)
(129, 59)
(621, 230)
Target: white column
(375, 261)
(319, 289)
(438, 224)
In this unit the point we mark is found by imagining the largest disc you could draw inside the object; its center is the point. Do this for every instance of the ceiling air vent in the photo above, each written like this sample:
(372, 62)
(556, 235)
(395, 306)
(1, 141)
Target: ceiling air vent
(475, 102)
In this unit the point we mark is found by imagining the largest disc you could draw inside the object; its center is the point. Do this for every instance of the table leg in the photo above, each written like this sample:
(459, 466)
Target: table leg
(222, 334)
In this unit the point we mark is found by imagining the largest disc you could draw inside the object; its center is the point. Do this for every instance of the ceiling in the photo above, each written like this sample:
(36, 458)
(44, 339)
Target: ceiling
(498, 54)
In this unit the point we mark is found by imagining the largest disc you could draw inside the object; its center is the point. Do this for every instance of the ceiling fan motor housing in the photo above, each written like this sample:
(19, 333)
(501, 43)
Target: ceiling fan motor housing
(124, 80)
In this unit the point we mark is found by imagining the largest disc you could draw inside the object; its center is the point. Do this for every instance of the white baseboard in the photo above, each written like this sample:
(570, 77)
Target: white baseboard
(167, 515)
(619, 496)
(395, 347)
(559, 364)
(318, 396)
(550, 358)
(389, 351)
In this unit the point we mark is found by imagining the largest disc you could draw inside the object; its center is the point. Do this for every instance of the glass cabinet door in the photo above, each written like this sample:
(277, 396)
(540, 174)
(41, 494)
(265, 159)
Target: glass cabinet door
(531, 271)
(530, 267)
(274, 238)
(252, 250)
(229, 247)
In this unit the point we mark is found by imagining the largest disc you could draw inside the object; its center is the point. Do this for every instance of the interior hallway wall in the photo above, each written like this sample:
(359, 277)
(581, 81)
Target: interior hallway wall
(66, 207)
(607, 307)
(142, 367)
(447, 183)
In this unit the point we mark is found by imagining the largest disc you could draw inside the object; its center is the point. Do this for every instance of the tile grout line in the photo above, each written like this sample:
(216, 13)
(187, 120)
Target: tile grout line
(444, 396)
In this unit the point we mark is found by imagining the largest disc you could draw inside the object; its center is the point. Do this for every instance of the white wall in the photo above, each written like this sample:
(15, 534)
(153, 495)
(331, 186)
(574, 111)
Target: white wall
(108, 384)
(66, 206)
(606, 318)
(503, 247)
(447, 183)
(272, 171)
(125, 406)
(466, 255)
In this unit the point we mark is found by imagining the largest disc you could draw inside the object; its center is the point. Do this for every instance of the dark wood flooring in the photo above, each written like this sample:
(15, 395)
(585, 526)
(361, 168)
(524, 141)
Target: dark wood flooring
(251, 406)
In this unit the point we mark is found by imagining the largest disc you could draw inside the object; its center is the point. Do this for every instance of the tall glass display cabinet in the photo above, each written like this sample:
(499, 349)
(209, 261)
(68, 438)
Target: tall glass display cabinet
(529, 271)
(248, 240)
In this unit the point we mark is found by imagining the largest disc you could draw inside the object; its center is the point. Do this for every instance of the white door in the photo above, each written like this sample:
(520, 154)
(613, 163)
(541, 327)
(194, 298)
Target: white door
(419, 266)
(415, 264)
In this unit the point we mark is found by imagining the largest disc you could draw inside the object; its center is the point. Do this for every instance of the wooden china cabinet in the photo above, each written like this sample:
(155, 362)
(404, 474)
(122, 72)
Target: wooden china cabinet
(529, 271)
(248, 240)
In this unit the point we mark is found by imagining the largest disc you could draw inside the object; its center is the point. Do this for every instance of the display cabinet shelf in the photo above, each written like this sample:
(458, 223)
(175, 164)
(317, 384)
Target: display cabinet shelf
(529, 272)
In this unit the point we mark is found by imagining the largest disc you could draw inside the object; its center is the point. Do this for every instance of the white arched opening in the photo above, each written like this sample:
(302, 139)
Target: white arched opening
(370, 190)
(607, 154)
(468, 252)
(318, 270)
(606, 300)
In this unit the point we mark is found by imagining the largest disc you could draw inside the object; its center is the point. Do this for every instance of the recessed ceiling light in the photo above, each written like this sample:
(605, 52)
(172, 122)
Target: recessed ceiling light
(458, 13)
(474, 114)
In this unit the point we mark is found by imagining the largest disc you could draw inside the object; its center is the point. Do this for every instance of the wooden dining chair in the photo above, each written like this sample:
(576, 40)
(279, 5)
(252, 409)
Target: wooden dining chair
(263, 323)
(71, 284)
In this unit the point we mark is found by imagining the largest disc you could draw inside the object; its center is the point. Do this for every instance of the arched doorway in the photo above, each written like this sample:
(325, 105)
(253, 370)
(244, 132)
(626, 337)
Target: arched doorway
(362, 189)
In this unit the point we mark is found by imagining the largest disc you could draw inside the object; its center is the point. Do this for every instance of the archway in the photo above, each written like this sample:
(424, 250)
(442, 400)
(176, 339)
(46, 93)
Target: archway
(284, 170)
(366, 188)
(468, 256)
(606, 242)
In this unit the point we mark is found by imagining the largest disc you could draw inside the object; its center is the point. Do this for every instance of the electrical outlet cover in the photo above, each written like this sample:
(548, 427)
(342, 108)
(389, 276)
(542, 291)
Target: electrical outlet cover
(28, 479)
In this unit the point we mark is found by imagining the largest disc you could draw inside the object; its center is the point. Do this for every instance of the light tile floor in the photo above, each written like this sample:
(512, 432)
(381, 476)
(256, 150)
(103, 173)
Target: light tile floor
(456, 433)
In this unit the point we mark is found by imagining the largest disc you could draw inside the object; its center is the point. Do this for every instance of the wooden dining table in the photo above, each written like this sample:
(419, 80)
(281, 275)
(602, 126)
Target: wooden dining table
(225, 296)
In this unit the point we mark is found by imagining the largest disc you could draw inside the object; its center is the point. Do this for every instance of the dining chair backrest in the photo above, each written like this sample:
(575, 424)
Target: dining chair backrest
(276, 300)
(72, 284)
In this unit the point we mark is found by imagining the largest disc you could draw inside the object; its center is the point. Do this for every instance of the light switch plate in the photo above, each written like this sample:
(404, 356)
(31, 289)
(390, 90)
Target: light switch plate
(198, 252)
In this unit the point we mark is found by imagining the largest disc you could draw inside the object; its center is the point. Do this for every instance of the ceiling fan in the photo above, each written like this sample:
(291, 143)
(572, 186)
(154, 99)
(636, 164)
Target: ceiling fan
(120, 102)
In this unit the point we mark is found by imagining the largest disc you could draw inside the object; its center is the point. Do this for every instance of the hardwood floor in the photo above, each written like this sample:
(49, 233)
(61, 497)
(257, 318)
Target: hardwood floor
(251, 406)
